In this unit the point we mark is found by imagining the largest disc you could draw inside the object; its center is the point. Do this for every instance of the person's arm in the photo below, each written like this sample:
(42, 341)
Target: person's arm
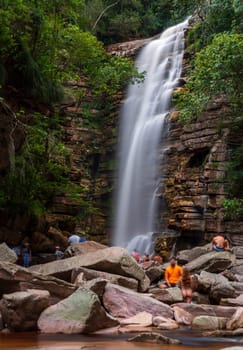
(212, 245)
(226, 245)
(167, 276)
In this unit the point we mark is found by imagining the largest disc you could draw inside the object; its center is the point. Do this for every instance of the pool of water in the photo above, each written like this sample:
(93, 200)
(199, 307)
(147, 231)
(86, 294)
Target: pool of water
(37, 341)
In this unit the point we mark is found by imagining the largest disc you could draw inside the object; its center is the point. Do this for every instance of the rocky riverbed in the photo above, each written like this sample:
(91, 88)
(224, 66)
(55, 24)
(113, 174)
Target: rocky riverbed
(105, 290)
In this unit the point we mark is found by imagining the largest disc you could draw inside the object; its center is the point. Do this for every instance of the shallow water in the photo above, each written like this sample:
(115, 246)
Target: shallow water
(35, 341)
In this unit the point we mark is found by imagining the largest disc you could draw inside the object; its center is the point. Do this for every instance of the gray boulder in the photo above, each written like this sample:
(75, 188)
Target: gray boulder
(219, 291)
(168, 295)
(207, 310)
(209, 322)
(185, 256)
(232, 301)
(207, 279)
(212, 262)
(81, 312)
(122, 302)
(21, 310)
(16, 278)
(88, 274)
(114, 260)
(7, 254)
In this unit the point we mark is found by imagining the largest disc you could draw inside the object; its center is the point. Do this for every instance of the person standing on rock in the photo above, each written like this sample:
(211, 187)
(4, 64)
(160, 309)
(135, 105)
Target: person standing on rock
(26, 254)
(186, 286)
(220, 244)
(173, 274)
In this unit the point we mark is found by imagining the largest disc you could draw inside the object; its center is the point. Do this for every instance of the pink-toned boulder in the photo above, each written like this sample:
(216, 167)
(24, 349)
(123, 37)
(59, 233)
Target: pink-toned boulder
(206, 310)
(236, 320)
(122, 302)
(181, 316)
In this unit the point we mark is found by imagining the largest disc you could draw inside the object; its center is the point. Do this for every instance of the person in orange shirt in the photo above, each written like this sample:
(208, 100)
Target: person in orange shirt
(173, 273)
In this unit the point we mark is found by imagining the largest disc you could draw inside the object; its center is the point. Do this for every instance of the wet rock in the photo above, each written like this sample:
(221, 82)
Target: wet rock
(181, 316)
(168, 295)
(123, 302)
(113, 260)
(21, 310)
(209, 322)
(7, 254)
(211, 262)
(153, 337)
(144, 319)
(165, 323)
(224, 333)
(79, 313)
(236, 320)
(88, 274)
(207, 310)
(185, 256)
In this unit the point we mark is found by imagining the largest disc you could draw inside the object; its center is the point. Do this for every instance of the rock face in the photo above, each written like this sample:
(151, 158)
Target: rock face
(123, 303)
(7, 254)
(196, 157)
(113, 260)
(79, 313)
(21, 310)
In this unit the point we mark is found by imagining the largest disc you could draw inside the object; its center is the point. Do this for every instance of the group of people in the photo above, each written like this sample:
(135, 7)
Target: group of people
(175, 275)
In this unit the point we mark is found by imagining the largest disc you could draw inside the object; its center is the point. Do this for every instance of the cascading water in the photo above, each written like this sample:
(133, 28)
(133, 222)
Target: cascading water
(142, 122)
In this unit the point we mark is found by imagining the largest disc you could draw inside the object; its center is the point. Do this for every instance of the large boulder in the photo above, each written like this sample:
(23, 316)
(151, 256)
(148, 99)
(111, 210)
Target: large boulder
(185, 256)
(7, 254)
(83, 248)
(168, 295)
(16, 278)
(88, 274)
(81, 312)
(155, 271)
(114, 260)
(219, 291)
(21, 310)
(209, 322)
(236, 320)
(237, 267)
(181, 316)
(238, 251)
(122, 302)
(207, 310)
(207, 279)
(215, 262)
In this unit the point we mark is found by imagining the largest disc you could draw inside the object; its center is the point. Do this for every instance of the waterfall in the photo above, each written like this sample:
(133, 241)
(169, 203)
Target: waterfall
(141, 130)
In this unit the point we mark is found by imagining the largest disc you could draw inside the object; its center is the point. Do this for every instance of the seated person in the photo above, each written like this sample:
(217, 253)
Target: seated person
(173, 274)
(220, 244)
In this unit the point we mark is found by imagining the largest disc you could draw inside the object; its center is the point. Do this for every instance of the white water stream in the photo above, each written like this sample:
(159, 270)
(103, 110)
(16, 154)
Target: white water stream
(141, 131)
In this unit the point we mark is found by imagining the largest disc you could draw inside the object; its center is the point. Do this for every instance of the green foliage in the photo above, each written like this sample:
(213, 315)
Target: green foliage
(41, 170)
(218, 71)
(233, 209)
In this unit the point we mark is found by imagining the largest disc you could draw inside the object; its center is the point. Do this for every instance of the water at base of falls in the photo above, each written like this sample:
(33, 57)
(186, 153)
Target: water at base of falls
(143, 121)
